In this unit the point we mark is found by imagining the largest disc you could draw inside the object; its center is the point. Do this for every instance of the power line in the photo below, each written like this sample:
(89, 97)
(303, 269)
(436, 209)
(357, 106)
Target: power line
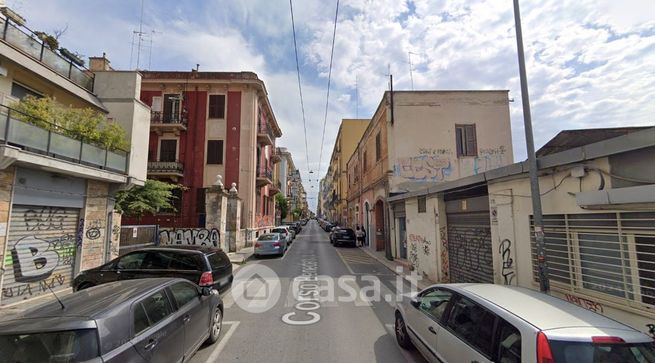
(302, 104)
(327, 101)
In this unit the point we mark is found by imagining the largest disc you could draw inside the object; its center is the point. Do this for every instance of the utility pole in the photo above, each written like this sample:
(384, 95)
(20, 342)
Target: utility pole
(544, 283)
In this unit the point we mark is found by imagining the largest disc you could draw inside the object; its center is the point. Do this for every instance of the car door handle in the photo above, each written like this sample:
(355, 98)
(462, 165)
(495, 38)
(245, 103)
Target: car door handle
(186, 318)
(151, 344)
(431, 329)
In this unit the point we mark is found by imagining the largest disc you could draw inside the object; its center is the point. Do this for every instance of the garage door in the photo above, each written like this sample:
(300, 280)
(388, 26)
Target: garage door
(40, 252)
(469, 247)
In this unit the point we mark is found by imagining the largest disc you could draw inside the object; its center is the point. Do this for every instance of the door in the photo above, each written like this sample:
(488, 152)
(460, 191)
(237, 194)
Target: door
(168, 150)
(424, 317)
(41, 248)
(402, 237)
(195, 314)
(469, 333)
(129, 266)
(158, 330)
(172, 108)
(469, 247)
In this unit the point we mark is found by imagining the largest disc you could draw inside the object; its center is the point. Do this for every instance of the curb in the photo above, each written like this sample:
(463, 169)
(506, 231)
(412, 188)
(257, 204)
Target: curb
(391, 265)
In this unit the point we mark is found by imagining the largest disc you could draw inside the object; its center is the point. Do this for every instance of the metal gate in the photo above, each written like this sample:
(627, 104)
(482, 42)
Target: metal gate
(135, 237)
(469, 247)
(40, 251)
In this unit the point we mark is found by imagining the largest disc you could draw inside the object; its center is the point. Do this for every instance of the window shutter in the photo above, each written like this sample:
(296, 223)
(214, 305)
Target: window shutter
(458, 138)
(156, 104)
(215, 152)
(471, 141)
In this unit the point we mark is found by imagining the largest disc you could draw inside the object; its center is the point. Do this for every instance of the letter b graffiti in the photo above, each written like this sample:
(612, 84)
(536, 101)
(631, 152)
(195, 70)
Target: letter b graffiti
(32, 259)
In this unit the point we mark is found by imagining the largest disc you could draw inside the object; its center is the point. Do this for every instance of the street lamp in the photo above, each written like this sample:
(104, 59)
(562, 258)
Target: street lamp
(538, 219)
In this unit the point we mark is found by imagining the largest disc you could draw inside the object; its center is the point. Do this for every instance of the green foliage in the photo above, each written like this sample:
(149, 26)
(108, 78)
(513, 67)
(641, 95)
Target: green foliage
(297, 212)
(49, 40)
(152, 197)
(79, 123)
(282, 204)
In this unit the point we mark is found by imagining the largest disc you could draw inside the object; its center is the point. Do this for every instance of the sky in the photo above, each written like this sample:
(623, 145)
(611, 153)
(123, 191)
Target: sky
(590, 63)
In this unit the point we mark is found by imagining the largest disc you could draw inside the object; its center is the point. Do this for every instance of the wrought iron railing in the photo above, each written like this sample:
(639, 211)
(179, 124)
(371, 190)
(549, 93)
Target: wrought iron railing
(264, 128)
(159, 117)
(265, 172)
(29, 43)
(55, 142)
(165, 166)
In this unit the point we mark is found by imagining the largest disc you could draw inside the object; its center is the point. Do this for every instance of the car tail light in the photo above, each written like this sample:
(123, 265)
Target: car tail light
(276, 244)
(607, 340)
(544, 355)
(257, 244)
(206, 279)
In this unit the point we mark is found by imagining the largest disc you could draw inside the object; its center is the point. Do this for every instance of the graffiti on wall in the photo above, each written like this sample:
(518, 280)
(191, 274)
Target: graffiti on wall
(585, 303)
(423, 168)
(190, 236)
(433, 151)
(413, 255)
(470, 254)
(507, 269)
(34, 262)
(44, 219)
(422, 243)
(443, 236)
(489, 158)
(94, 230)
(651, 329)
(263, 221)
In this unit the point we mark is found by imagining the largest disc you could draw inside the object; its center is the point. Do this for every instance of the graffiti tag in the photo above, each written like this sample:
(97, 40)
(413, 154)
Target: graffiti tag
(585, 303)
(45, 219)
(93, 232)
(423, 168)
(425, 244)
(508, 263)
(469, 253)
(190, 236)
(443, 235)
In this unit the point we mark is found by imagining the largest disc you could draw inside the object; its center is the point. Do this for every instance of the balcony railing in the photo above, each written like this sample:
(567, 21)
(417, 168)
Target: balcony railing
(264, 175)
(56, 144)
(166, 168)
(264, 133)
(30, 44)
(166, 118)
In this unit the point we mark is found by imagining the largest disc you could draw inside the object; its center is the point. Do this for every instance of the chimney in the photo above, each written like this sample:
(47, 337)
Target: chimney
(97, 64)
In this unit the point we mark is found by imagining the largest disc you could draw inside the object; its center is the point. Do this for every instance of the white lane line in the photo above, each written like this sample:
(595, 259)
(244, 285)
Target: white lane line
(344, 262)
(233, 326)
(391, 329)
(286, 253)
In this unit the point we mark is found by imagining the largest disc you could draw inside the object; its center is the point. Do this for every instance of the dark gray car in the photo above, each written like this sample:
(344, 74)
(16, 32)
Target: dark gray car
(145, 320)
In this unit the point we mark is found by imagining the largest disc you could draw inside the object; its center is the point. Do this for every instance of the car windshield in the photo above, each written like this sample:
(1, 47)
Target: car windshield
(268, 237)
(279, 230)
(61, 347)
(579, 352)
(346, 232)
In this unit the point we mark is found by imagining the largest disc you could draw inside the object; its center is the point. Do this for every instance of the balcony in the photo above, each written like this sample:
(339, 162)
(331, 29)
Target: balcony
(264, 176)
(265, 135)
(275, 157)
(28, 43)
(55, 144)
(275, 188)
(160, 122)
(172, 169)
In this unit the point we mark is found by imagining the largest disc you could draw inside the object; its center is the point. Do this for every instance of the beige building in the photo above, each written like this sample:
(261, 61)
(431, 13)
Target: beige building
(598, 199)
(348, 136)
(56, 189)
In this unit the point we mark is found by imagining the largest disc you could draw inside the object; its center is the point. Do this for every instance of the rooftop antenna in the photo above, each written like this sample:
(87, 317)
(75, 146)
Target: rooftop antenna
(139, 33)
(152, 35)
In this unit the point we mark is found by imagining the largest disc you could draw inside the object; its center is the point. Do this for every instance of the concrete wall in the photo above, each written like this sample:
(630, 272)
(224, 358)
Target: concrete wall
(95, 225)
(422, 141)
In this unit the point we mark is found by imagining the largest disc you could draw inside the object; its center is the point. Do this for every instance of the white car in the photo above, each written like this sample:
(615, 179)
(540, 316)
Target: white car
(496, 323)
(285, 231)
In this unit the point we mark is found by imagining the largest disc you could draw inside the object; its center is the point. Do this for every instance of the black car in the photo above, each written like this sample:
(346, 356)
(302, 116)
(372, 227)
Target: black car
(146, 320)
(343, 236)
(328, 227)
(202, 265)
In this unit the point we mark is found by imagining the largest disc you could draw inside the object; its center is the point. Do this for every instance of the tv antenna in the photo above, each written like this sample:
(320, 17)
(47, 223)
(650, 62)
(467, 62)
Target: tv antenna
(141, 36)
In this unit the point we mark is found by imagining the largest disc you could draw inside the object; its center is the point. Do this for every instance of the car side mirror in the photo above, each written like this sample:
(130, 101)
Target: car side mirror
(206, 291)
(415, 302)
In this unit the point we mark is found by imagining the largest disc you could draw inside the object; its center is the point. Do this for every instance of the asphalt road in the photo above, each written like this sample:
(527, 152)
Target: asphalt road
(295, 330)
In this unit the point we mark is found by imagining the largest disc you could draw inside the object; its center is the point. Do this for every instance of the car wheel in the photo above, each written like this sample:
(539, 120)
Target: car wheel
(216, 327)
(401, 333)
(85, 285)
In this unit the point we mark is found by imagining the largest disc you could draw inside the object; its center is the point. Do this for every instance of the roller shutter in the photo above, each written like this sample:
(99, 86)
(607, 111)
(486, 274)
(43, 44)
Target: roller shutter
(469, 247)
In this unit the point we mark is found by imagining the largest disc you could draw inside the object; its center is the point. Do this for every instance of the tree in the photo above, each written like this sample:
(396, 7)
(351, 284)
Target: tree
(282, 204)
(297, 213)
(150, 198)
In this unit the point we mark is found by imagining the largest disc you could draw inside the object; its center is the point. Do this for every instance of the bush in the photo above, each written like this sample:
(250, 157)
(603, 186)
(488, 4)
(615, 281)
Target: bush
(79, 123)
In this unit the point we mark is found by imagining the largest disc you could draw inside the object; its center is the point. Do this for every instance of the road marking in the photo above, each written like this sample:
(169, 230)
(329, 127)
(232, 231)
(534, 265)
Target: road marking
(233, 326)
(286, 253)
(345, 263)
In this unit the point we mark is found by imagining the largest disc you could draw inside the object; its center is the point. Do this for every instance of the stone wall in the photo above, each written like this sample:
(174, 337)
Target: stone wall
(94, 236)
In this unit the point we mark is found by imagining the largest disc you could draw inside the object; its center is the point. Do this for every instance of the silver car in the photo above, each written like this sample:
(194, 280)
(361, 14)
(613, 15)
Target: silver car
(270, 244)
(285, 232)
(495, 323)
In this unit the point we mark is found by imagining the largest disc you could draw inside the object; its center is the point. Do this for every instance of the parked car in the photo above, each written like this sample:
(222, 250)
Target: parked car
(295, 226)
(328, 227)
(284, 231)
(202, 265)
(145, 320)
(486, 322)
(270, 244)
(343, 236)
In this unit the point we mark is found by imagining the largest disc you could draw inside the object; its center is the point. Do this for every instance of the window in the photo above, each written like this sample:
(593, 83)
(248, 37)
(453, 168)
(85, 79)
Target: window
(184, 293)
(215, 152)
(610, 254)
(140, 319)
(433, 302)
(131, 261)
(509, 343)
(184, 262)
(78, 345)
(176, 202)
(473, 324)
(200, 200)
(378, 150)
(156, 104)
(216, 106)
(172, 104)
(168, 150)
(157, 307)
(218, 260)
(156, 261)
(422, 201)
(365, 163)
(466, 140)
(19, 91)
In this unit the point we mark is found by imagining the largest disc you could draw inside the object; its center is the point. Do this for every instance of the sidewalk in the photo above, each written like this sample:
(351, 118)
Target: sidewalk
(241, 256)
(405, 270)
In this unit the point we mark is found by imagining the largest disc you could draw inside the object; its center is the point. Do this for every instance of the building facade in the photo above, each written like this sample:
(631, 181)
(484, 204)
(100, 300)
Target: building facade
(598, 201)
(56, 188)
(206, 124)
